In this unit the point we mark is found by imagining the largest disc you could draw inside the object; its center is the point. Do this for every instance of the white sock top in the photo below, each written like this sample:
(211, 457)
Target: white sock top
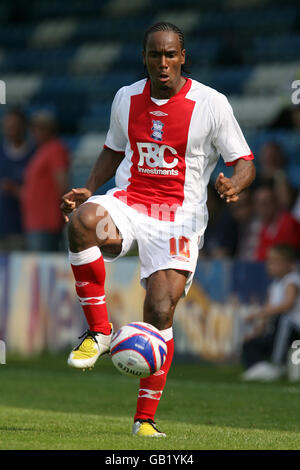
(86, 256)
(167, 334)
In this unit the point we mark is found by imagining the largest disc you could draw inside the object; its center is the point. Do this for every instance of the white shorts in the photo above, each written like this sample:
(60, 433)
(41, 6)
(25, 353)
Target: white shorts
(161, 244)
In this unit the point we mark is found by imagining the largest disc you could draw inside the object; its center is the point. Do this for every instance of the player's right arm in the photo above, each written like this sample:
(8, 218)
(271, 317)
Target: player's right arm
(104, 169)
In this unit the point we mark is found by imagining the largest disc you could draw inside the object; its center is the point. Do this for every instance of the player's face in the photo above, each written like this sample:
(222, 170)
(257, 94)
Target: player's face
(163, 58)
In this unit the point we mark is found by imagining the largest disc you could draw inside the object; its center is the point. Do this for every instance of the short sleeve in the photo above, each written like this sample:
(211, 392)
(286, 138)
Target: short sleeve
(228, 137)
(116, 138)
(292, 278)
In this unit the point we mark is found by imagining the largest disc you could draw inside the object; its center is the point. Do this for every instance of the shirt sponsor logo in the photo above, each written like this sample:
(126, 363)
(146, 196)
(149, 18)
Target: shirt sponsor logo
(153, 156)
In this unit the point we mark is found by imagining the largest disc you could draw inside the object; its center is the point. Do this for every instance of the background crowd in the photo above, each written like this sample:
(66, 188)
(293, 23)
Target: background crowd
(35, 170)
(267, 213)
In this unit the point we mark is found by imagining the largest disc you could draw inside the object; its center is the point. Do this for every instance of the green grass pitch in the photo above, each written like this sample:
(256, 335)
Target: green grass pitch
(46, 405)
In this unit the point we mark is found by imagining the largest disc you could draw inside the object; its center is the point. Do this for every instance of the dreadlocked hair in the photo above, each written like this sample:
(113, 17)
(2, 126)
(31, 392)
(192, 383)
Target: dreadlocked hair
(166, 26)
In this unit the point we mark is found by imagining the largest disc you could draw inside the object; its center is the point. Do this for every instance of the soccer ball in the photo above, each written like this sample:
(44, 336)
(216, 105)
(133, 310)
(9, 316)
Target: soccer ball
(138, 349)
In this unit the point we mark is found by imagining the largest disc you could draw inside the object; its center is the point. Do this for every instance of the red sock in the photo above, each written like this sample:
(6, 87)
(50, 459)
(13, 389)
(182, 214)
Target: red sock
(151, 388)
(89, 272)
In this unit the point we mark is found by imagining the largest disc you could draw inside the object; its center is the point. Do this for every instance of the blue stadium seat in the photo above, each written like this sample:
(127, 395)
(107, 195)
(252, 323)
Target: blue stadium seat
(56, 8)
(294, 175)
(15, 36)
(230, 80)
(283, 48)
(42, 61)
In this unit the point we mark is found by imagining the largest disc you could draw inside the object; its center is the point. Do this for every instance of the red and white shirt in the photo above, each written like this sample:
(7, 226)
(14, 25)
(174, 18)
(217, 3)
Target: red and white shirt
(171, 146)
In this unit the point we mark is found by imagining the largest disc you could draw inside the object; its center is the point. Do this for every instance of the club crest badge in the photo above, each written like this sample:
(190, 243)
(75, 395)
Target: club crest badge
(157, 130)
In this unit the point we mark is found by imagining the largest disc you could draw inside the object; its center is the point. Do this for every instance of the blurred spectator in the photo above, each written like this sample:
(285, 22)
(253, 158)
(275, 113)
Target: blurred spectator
(248, 226)
(288, 118)
(286, 194)
(272, 162)
(16, 150)
(278, 226)
(295, 117)
(46, 179)
(296, 208)
(221, 233)
(278, 322)
(231, 231)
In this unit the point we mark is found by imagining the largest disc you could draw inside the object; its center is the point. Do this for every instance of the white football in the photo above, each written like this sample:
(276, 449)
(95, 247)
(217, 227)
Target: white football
(138, 349)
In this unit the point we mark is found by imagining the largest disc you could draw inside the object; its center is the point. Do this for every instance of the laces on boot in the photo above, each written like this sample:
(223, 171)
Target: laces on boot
(149, 421)
(88, 334)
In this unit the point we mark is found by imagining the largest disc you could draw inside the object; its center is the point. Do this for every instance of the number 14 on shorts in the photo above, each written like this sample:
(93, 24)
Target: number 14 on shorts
(180, 247)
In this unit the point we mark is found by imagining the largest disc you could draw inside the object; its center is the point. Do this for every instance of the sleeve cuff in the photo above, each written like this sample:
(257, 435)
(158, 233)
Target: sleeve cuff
(244, 157)
(121, 152)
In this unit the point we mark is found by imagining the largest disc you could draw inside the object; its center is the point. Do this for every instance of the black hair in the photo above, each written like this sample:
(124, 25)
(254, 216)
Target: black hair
(267, 185)
(17, 111)
(287, 252)
(279, 148)
(166, 26)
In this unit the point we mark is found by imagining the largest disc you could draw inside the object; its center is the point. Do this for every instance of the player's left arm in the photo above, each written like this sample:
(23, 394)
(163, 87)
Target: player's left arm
(243, 175)
(230, 142)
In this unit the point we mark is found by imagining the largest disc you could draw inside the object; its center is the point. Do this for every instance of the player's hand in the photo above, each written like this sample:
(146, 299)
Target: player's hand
(226, 188)
(72, 200)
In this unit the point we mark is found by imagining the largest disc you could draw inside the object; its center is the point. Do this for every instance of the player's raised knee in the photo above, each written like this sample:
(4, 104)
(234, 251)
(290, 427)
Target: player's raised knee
(85, 217)
(82, 227)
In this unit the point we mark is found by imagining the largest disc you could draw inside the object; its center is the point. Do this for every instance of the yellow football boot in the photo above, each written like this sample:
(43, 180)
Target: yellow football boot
(146, 428)
(92, 346)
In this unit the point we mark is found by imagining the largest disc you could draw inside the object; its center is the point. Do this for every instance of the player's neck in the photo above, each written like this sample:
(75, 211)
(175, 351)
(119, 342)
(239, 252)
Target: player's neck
(167, 93)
